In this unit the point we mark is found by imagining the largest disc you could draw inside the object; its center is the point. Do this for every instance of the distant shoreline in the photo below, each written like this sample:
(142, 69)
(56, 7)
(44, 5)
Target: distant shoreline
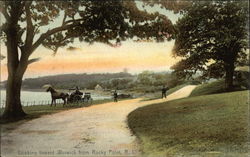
(62, 90)
(31, 90)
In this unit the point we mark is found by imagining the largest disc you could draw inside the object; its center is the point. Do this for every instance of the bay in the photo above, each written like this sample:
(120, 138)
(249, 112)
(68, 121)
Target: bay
(39, 97)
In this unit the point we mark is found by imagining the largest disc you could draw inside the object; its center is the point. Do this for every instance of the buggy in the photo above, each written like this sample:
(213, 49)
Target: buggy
(87, 98)
(74, 97)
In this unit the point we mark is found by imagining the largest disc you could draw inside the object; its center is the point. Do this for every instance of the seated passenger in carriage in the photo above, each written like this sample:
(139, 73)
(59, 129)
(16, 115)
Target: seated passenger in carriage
(77, 92)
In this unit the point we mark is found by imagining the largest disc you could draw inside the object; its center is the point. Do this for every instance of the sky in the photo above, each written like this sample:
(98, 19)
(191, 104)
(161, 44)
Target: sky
(100, 58)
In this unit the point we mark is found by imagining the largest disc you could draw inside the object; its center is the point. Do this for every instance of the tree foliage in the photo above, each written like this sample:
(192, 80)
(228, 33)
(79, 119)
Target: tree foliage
(90, 21)
(212, 39)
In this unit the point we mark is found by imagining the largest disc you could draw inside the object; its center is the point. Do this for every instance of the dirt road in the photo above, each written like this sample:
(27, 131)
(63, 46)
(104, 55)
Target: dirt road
(99, 130)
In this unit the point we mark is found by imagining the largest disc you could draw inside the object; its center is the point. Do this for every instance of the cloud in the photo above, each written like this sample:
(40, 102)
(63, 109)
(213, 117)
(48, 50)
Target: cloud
(101, 58)
(72, 48)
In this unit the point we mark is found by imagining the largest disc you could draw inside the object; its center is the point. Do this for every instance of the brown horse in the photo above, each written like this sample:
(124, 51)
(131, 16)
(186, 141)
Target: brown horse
(57, 95)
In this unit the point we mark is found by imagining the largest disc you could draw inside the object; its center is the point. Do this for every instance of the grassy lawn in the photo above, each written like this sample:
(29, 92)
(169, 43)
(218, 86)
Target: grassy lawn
(211, 125)
(39, 110)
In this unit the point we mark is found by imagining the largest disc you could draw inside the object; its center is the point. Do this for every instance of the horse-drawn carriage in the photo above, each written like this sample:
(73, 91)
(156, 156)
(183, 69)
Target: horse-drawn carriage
(72, 97)
(77, 97)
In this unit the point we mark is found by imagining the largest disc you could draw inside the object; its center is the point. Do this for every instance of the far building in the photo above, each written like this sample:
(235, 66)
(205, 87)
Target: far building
(98, 87)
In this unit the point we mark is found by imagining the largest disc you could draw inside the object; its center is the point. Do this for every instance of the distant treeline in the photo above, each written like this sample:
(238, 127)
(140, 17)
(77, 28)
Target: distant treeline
(146, 81)
(67, 81)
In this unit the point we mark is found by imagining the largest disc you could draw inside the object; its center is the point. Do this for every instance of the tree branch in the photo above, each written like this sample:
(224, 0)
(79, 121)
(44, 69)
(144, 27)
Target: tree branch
(4, 11)
(69, 21)
(33, 60)
(64, 18)
(59, 43)
(30, 28)
(49, 33)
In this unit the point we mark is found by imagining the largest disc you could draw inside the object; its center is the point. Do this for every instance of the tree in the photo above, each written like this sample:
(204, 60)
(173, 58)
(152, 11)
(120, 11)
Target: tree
(212, 40)
(110, 22)
(145, 78)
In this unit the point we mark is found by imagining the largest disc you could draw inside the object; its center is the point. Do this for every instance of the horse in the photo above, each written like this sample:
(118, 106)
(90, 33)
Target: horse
(57, 95)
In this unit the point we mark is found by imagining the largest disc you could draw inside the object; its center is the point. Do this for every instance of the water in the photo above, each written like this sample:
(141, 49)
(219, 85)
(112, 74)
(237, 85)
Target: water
(37, 98)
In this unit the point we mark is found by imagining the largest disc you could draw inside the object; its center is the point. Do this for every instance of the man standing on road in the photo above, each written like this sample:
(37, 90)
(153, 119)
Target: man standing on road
(115, 96)
(164, 91)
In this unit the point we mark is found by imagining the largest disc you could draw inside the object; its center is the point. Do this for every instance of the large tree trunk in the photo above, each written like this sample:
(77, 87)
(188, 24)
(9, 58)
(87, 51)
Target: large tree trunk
(229, 77)
(16, 69)
(17, 63)
(13, 108)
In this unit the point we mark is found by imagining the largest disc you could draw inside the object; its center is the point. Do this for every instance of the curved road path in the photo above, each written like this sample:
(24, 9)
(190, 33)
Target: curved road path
(99, 130)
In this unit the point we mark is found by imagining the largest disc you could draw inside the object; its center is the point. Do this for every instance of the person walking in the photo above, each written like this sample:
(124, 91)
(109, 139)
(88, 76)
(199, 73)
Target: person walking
(115, 96)
(164, 91)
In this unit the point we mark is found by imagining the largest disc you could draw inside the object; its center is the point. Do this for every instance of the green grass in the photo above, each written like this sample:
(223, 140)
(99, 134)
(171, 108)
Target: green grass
(38, 110)
(211, 125)
(209, 88)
